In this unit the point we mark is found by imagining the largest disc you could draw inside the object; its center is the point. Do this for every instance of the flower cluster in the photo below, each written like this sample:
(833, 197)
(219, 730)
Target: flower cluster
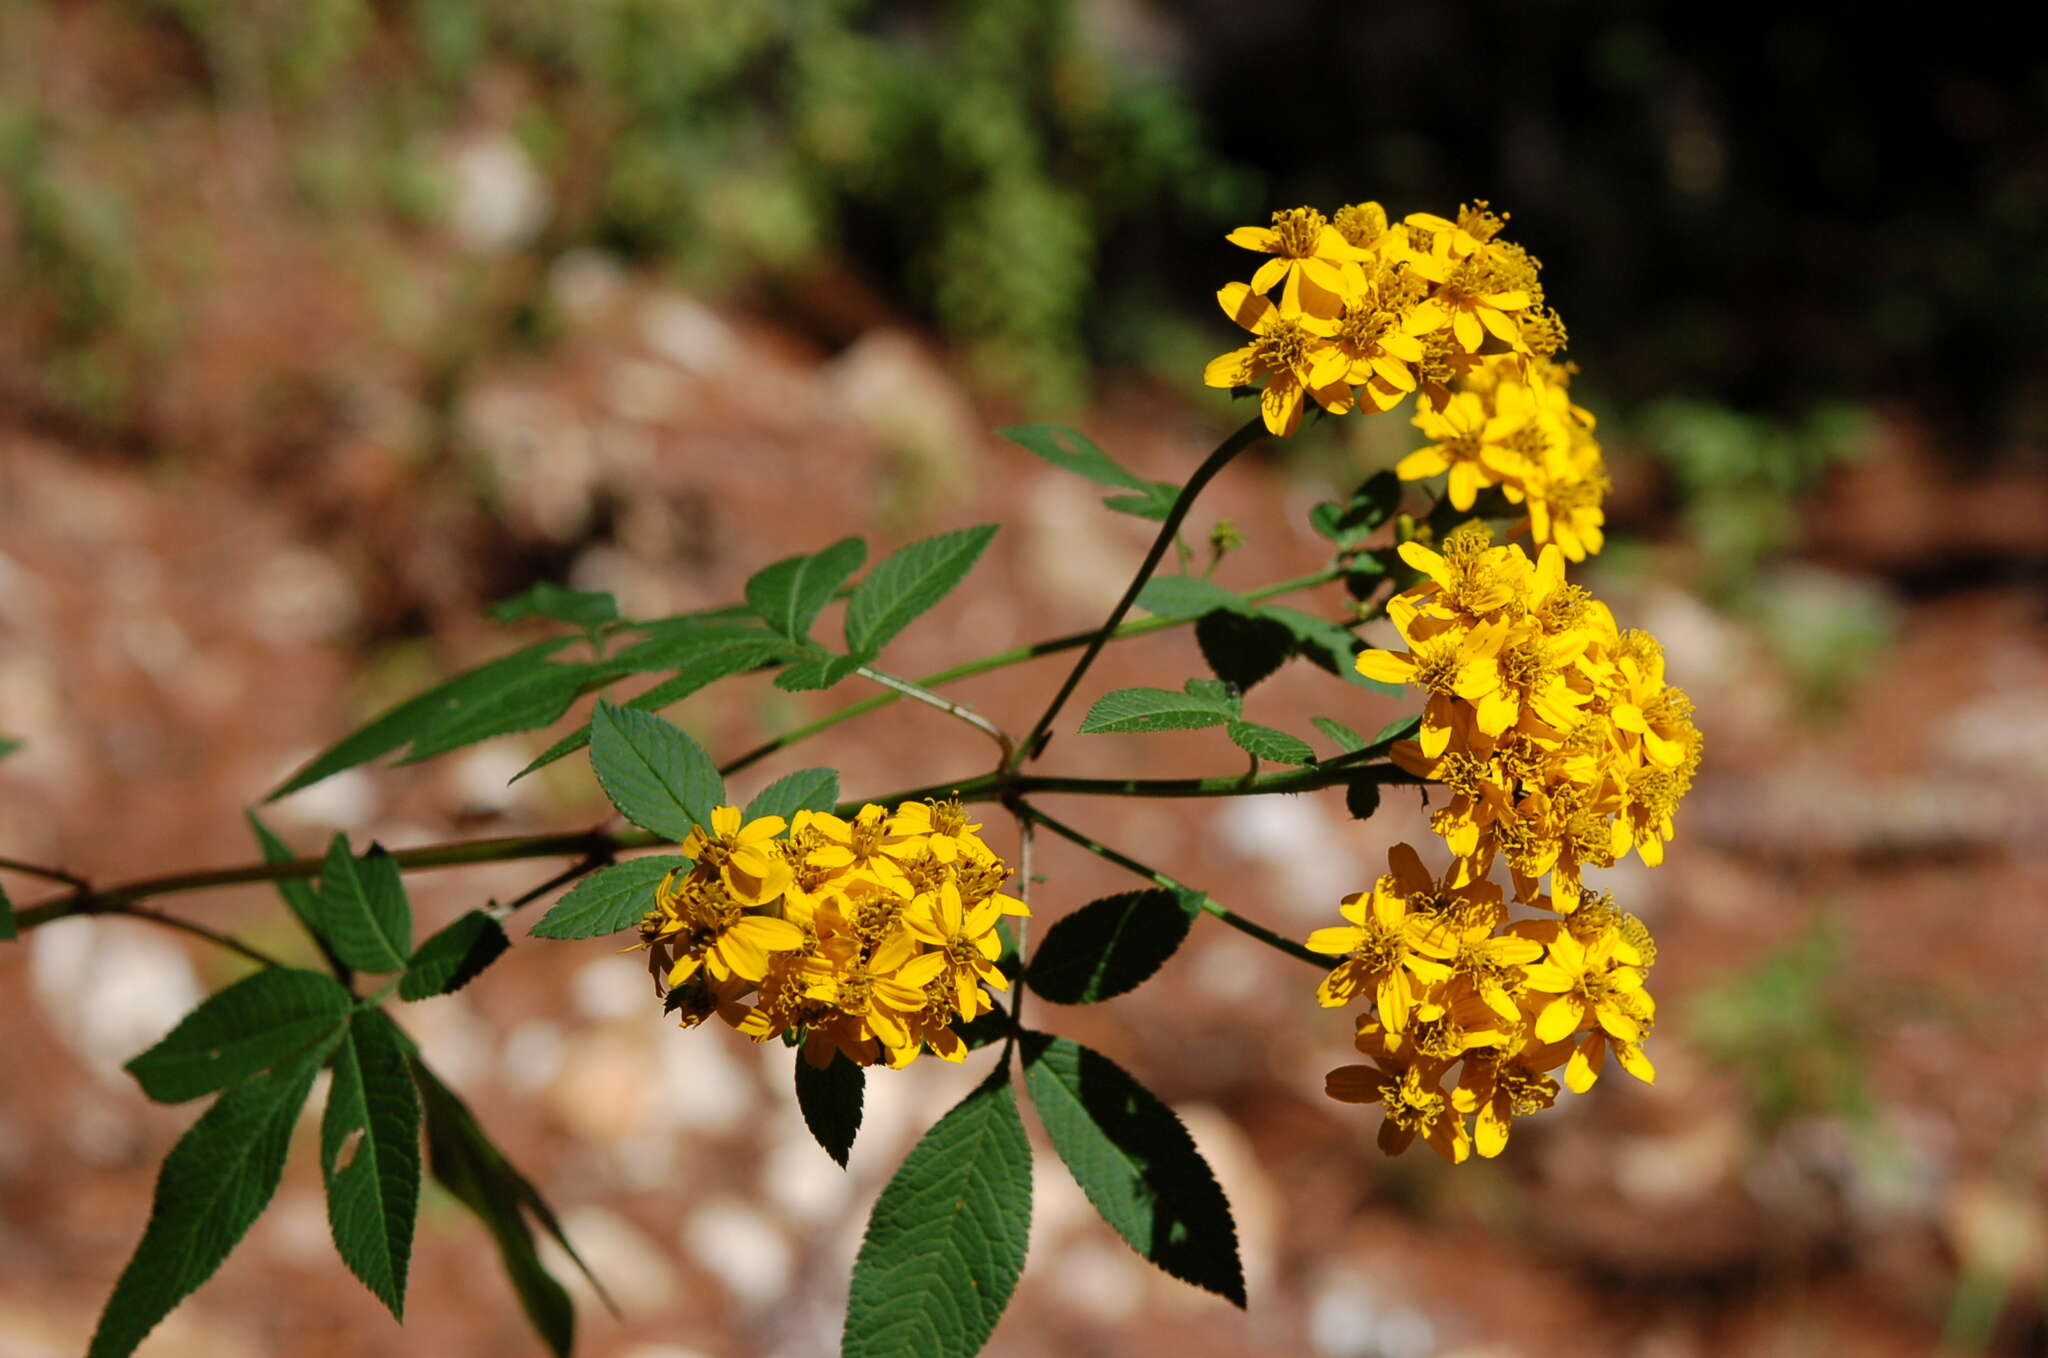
(1368, 312)
(871, 937)
(1454, 983)
(1560, 741)
(1563, 748)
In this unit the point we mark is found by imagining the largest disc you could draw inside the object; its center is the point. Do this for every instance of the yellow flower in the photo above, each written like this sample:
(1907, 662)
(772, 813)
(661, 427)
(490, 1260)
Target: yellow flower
(1386, 948)
(1414, 1104)
(865, 845)
(1501, 1087)
(944, 828)
(966, 943)
(701, 923)
(1317, 265)
(744, 856)
(1285, 353)
(1589, 986)
(1467, 444)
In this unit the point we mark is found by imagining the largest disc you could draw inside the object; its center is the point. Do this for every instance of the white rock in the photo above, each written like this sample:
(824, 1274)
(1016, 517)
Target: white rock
(1102, 1280)
(1303, 847)
(634, 1267)
(483, 780)
(699, 1084)
(688, 334)
(499, 200)
(741, 1248)
(533, 1056)
(110, 989)
(346, 801)
(584, 283)
(613, 987)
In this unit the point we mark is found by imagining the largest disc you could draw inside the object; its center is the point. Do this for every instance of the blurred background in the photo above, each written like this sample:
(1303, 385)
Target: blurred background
(323, 323)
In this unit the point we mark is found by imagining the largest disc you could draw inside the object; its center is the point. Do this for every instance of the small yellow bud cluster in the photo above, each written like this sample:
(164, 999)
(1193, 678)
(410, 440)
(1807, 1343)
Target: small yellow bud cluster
(871, 937)
(1563, 748)
(1369, 312)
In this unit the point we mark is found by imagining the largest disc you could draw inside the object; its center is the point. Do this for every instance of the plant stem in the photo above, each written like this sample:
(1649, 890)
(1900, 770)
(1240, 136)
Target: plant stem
(1251, 432)
(1016, 655)
(196, 929)
(1209, 905)
(924, 695)
(47, 874)
(602, 846)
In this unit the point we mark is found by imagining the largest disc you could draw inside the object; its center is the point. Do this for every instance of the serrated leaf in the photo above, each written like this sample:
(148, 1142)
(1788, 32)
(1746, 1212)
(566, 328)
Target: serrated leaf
(830, 1098)
(909, 582)
(1342, 736)
(261, 1021)
(400, 724)
(1361, 798)
(806, 676)
(1070, 450)
(297, 892)
(1109, 946)
(610, 899)
(946, 1242)
(453, 957)
(214, 1184)
(1155, 504)
(804, 790)
(701, 661)
(363, 908)
(790, 594)
(370, 1157)
(1242, 650)
(1329, 645)
(584, 608)
(656, 776)
(1264, 742)
(476, 1172)
(1136, 1162)
(1155, 709)
(7, 926)
(523, 701)
(1189, 596)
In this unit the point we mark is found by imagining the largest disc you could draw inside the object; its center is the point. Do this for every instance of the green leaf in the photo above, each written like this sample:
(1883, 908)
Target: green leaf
(1400, 728)
(405, 721)
(1362, 798)
(610, 899)
(297, 892)
(1188, 596)
(701, 661)
(363, 908)
(1136, 1163)
(1243, 649)
(907, 583)
(809, 675)
(522, 701)
(656, 776)
(1342, 736)
(454, 957)
(830, 1098)
(1110, 945)
(370, 1156)
(8, 745)
(946, 1243)
(804, 790)
(584, 608)
(214, 1184)
(790, 594)
(7, 926)
(1329, 645)
(1264, 742)
(1073, 451)
(1157, 709)
(1350, 523)
(476, 1172)
(261, 1021)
